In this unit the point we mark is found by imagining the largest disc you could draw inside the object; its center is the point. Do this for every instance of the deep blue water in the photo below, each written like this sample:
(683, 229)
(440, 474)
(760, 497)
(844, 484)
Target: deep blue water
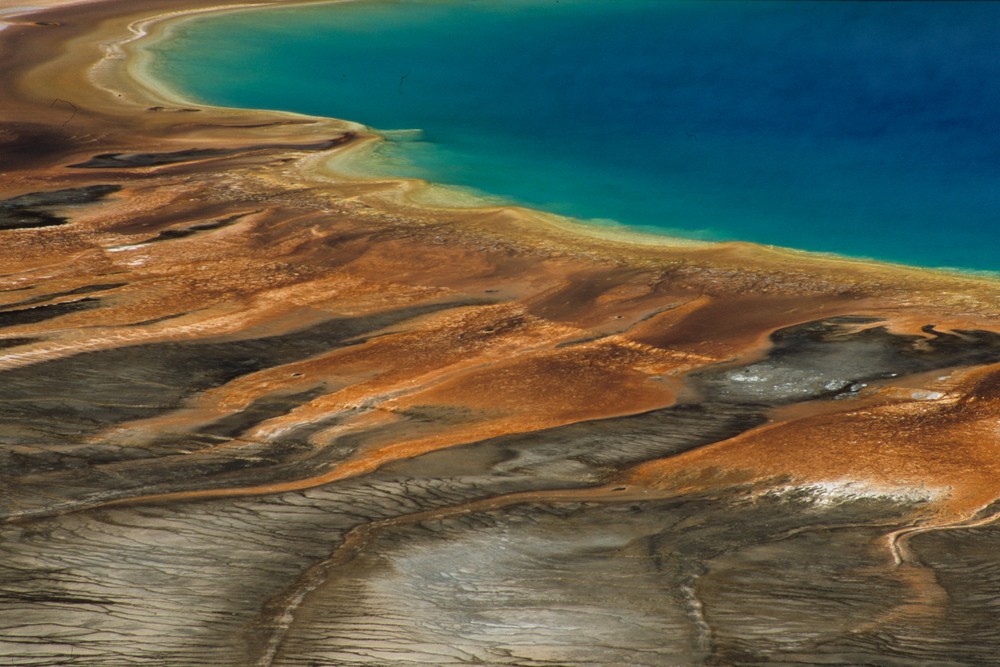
(870, 130)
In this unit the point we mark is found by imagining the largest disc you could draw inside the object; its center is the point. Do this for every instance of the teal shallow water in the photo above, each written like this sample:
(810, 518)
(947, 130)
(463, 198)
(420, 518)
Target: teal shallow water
(869, 130)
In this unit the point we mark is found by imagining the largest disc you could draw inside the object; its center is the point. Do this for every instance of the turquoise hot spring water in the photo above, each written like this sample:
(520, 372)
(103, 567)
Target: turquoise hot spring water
(865, 129)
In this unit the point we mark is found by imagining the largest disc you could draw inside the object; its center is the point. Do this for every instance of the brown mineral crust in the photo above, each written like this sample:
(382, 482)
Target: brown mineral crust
(570, 326)
(898, 440)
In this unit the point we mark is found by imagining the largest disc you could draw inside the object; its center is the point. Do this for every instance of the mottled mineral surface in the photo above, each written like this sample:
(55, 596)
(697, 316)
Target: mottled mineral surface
(255, 413)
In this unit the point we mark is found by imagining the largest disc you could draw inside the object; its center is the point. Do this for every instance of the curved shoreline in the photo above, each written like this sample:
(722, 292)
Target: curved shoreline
(157, 29)
(436, 195)
(122, 76)
(418, 191)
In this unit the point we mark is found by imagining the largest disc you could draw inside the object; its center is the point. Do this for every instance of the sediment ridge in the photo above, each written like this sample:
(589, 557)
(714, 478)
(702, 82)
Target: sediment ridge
(259, 413)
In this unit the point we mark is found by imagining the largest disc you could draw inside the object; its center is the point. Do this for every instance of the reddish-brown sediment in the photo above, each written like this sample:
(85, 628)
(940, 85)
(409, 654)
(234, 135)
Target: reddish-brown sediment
(304, 246)
(941, 443)
(570, 327)
(518, 323)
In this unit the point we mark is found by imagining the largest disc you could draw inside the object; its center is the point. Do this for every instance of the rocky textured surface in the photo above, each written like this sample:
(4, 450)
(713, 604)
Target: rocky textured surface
(252, 413)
